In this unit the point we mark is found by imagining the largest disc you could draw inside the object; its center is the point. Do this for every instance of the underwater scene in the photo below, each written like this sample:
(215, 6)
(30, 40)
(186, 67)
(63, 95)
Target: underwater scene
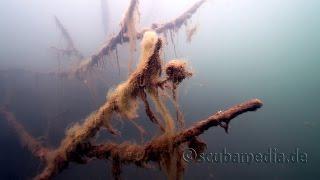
(150, 89)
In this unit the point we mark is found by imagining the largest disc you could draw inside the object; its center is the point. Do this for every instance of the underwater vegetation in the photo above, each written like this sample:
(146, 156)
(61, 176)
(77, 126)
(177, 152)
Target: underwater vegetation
(145, 83)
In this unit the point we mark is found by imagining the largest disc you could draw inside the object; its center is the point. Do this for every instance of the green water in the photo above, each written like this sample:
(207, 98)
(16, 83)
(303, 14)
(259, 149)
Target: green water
(269, 50)
(243, 49)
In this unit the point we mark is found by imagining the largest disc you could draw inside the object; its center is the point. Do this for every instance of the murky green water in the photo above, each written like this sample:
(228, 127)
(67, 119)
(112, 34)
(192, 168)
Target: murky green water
(243, 49)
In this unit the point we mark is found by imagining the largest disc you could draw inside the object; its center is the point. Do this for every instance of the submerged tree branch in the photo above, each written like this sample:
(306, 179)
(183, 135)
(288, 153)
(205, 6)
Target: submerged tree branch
(179, 21)
(122, 37)
(139, 155)
(126, 152)
(33, 145)
(165, 149)
(221, 118)
(71, 50)
(122, 101)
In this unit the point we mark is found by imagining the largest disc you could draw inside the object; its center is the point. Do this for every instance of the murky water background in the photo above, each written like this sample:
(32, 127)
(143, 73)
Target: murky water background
(267, 49)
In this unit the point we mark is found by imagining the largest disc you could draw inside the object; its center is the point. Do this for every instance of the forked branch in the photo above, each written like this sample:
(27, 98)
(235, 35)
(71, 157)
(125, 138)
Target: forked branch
(123, 37)
(140, 155)
(70, 50)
